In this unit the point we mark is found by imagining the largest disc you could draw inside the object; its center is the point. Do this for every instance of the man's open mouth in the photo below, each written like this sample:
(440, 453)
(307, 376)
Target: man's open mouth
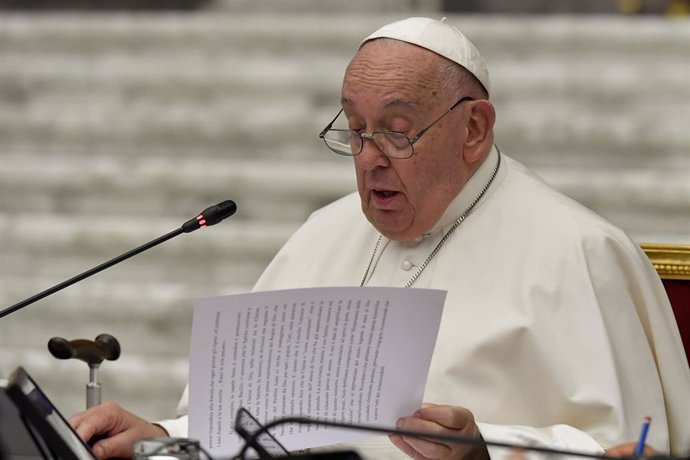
(385, 193)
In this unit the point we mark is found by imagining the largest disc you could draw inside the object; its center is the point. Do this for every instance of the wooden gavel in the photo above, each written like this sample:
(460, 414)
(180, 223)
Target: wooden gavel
(92, 353)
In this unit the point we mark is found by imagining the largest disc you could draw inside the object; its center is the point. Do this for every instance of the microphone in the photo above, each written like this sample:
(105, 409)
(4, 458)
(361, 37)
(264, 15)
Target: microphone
(209, 216)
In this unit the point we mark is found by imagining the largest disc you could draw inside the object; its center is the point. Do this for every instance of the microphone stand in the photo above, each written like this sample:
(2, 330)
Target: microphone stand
(209, 216)
(86, 274)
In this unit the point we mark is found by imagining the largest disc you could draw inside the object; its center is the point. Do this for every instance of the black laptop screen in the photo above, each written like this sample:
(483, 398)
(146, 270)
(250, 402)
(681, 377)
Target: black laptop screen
(45, 419)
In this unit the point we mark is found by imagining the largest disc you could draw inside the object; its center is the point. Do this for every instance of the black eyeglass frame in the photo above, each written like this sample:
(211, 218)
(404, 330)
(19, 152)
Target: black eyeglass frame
(259, 439)
(362, 136)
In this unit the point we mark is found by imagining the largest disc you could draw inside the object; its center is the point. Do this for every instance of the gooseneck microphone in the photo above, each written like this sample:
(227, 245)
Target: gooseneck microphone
(206, 218)
(209, 216)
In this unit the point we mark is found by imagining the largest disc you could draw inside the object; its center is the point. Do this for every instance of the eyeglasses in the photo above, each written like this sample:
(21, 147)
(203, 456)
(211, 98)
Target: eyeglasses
(394, 145)
(256, 437)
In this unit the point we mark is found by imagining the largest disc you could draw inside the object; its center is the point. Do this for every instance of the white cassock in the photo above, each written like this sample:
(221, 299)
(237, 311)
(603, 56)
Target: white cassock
(556, 329)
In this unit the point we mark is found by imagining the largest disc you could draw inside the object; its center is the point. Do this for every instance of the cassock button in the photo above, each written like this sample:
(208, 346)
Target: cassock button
(406, 265)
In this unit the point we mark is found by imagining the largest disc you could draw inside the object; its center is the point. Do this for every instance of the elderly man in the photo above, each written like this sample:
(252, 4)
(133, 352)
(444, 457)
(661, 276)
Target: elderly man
(556, 330)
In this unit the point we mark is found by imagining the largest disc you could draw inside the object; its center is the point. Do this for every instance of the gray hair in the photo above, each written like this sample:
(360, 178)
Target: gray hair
(460, 81)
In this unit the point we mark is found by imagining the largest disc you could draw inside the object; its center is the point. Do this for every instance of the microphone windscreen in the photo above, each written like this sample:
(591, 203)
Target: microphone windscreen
(210, 216)
(217, 213)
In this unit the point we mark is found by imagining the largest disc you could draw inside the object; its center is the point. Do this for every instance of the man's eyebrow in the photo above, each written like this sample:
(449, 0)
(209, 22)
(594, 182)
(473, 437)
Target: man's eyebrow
(402, 103)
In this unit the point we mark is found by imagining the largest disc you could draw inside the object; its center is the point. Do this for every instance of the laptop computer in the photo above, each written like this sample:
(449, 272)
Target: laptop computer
(32, 428)
(15, 441)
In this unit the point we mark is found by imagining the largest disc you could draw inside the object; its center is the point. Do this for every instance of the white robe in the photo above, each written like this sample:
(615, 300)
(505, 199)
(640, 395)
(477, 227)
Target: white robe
(556, 329)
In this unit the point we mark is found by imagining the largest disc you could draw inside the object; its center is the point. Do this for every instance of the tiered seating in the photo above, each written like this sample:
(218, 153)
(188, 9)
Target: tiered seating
(116, 128)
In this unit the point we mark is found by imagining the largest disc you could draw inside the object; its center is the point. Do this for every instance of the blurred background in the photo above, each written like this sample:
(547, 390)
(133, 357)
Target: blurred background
(121, 119)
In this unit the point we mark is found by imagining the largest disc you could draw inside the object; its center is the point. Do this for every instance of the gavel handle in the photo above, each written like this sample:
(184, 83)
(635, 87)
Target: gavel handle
(93, 388)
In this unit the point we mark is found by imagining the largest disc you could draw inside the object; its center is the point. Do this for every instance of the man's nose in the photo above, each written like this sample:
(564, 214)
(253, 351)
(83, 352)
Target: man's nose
(371, 155)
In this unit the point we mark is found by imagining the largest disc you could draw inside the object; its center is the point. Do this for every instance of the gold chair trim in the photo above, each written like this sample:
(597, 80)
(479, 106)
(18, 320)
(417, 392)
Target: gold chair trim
(671, 261)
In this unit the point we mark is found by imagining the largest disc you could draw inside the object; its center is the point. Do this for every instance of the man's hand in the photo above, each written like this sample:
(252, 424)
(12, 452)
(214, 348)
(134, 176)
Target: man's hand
(628, 450)
(443, 420)
(114, 430)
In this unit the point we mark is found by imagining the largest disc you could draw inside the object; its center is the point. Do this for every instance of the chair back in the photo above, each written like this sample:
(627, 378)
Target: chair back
(672, 263)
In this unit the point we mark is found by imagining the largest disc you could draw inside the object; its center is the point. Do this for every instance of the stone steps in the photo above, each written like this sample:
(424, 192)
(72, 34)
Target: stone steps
(116, 128)
(136, 190)
(163, 187)
(303, 33)
(181, 129)
(175, 84)
(70, 246)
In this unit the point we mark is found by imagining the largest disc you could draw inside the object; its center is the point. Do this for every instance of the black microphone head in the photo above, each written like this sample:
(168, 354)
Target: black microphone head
(217, 213)
(210, 216)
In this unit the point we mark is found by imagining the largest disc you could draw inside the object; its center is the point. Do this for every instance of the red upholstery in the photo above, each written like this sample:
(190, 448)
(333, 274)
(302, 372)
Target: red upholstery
(679, 294)
(672, 263)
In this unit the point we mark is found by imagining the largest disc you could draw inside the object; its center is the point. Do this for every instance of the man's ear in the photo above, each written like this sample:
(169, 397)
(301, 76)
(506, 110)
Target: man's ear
(480, 125)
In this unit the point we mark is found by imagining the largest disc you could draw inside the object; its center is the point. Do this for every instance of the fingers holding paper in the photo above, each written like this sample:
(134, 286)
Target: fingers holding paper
(111, 430)
(441, 420)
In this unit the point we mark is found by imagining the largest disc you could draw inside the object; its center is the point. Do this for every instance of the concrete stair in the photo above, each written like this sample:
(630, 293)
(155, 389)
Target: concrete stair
(116, 128)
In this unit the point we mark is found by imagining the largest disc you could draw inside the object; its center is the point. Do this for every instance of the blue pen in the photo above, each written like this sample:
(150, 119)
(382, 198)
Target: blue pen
(643, 437)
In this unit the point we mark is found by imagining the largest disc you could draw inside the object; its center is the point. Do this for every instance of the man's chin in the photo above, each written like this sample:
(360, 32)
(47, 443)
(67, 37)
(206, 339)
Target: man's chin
(391, 226)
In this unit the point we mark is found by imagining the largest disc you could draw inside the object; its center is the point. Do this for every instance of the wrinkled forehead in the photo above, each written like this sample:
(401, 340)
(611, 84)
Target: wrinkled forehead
(393, 55)
(439, 37)
(387, 66)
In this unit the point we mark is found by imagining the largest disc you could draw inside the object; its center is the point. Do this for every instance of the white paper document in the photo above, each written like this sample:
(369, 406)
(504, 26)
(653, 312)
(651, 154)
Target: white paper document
(353, 355)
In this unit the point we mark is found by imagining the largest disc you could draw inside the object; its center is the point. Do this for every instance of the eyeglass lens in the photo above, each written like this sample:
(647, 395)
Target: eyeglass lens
(347, 142)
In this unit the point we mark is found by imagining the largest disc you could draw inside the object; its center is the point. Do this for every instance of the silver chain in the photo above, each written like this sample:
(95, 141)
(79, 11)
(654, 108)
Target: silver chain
(445, 237)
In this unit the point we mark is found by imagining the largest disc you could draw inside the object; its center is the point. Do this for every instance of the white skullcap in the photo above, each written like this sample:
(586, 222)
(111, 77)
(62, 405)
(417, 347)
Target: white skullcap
(439, 37)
